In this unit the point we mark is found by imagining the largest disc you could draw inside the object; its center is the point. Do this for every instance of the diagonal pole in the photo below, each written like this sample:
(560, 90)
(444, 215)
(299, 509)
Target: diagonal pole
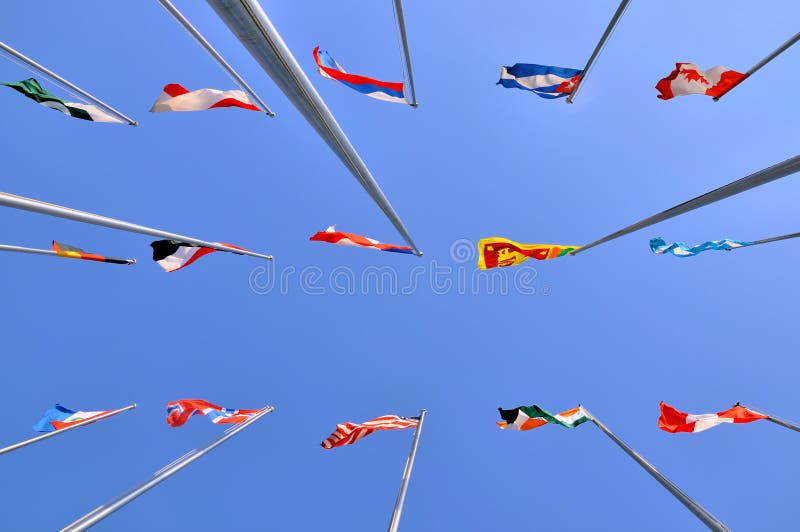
(776, 420)
(46, 435)
(401, 27)
(101, 512)
(394, 524)
(20, 249)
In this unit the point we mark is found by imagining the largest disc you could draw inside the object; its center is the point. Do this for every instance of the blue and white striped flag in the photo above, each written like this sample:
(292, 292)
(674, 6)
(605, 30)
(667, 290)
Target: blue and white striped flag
(546, 81)
(679, 249)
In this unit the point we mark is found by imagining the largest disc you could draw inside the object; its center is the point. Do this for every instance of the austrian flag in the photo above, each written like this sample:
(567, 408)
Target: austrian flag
(687, 78)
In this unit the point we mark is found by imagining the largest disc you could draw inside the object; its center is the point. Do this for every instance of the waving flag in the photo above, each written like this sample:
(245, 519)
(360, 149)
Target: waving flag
(679, 249)
(33, 90)
(673, 421)
(380, 90)
(59, 416)
(176, 98)
(546, 81)
(347, 433)
(530, 417)
(687, 78)
(71, 252)
(178, 412)
(172, 255)
(333, 236)
(496, 252)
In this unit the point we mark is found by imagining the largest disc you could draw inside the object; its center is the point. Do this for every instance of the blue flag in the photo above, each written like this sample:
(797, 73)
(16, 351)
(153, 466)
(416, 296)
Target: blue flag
(679, 249)
(546, 81)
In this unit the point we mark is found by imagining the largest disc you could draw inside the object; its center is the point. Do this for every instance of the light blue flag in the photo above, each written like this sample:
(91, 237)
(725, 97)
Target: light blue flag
(546, 81)
(679, 249)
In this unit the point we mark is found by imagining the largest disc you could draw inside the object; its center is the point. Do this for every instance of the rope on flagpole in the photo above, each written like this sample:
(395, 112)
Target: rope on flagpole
(401, 28)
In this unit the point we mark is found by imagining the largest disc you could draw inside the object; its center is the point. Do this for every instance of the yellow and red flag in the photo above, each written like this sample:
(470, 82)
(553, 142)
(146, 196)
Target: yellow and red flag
(499, 252)
(64, 250)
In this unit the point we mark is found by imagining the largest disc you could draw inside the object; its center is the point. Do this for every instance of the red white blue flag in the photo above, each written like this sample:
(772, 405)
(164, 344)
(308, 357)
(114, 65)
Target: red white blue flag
(347, 433)
(687, 78)
(59, 417)
(382, 90)
(333, 236)
(547, 81)
(178, 412)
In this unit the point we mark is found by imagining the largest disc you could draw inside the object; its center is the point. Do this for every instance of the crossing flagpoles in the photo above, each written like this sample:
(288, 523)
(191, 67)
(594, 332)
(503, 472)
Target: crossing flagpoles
(394, 524)
(20, 249)
(36, 66)
(213, 53)
(782, 48)
(623, 5)
(776, 171)
(401, 27)
(67, 428)
(101, 512)
(27, 204)
(709, 520)
(776, 420)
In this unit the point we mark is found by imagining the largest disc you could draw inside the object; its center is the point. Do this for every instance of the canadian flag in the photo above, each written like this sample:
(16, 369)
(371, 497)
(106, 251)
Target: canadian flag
(687, 78)
(177, 98)
(672, 420)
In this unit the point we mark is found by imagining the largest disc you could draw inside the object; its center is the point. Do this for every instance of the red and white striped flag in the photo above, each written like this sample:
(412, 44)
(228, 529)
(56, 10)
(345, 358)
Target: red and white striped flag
(671, 420)
(177, 98)
(347, 433)
(333, 236)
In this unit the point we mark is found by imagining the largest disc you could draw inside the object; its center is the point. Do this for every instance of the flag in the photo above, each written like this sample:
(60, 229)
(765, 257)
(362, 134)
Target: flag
(333, 236)
(530, 417)
(673, 421)
(546, 81)
(347, 433)
(380, 90)
(178, 412)
(496, 252)
(59, 416)
(176, 98)
(679, 249)
(172, 255)
(33, 90)
(71, 252)
(687, 78)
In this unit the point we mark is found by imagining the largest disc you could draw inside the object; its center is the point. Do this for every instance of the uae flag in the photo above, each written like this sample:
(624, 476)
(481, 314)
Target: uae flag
(177, 98)
(530, 417)
(33, 90)
(671, 420)
(347, 433)
(687, 78)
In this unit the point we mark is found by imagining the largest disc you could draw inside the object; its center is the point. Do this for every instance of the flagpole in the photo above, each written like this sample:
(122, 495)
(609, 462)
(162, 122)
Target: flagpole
(701, 513)
(394, 524)
(36, 66)
(65, 429)
(775, 239)
(20, 249)
(19, 202)
(597, 49)
(101, 512)
(782, 48)
(210, 49)
(776, 420)
(776, 171)
(401, 25)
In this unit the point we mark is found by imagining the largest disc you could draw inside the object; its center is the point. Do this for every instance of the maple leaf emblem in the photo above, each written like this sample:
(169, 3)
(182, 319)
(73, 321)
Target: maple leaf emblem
(694, 75)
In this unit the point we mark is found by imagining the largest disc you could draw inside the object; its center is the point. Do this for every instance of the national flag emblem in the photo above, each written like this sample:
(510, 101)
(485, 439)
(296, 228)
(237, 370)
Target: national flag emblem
(178, 412)
(687, 78)
(381, 90)
(333, 236)
(177, 98)
(496, 252)
(347, 433)
(172, 255)
(32, 89)
(64, 250)
(679, 249)
(59, 417)
(546, 81)
(531, 417)
(671, 420)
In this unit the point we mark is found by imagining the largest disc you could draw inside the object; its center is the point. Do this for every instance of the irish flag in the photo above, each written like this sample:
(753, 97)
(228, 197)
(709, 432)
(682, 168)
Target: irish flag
(671, 420)
(530, 417)
(33, 90)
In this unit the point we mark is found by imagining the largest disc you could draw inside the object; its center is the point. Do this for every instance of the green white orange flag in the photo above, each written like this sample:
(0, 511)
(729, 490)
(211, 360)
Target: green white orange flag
(531, 417)
(33, 90)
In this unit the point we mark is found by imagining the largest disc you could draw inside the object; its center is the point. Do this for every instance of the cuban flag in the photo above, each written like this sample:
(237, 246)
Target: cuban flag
(178, 412)
(380, 90)
(546, 81)
(59, 416)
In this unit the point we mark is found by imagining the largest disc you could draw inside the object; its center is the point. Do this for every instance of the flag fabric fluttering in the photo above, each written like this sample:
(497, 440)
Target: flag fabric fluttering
(381, 90)
(547, 81)
(173, 255)
(333, 236)
(71, 252)
(178, 412)
(679, 249)
(347, 433)
(177, 98)
(531, 417)
(671, 420)
(59, 416)
(32, 89)
(496, 252)
(687, 78)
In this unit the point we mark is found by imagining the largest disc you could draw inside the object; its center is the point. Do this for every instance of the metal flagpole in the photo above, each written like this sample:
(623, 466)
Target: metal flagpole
(401, 25)
(776, 171)
(65, 429)
(394, 524)
(597, 49)
(709, 520)
(776, 420)
(33, 64)
(210, 49)
(101, 512)
(19, 202)
(782, 48)
(20, 249)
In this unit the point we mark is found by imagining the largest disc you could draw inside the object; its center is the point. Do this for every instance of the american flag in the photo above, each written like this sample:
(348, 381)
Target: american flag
(347, 433)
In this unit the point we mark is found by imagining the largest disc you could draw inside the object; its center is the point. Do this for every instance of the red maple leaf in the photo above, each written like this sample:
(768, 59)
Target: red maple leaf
(694, 75)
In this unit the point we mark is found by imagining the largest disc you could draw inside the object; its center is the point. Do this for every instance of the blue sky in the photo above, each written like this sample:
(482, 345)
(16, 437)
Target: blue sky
(615, 328)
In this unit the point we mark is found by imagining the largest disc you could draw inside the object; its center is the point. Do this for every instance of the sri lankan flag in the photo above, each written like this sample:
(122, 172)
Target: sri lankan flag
(498, 252)
(530, 417)
(70, 252)
(33, 90)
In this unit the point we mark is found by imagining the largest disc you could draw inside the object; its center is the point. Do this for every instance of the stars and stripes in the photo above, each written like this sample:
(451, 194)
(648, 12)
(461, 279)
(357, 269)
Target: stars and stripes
(175, 97)
(381, 90)
(546, 81)
(347, 433)
(178, 412)
(333, 236)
